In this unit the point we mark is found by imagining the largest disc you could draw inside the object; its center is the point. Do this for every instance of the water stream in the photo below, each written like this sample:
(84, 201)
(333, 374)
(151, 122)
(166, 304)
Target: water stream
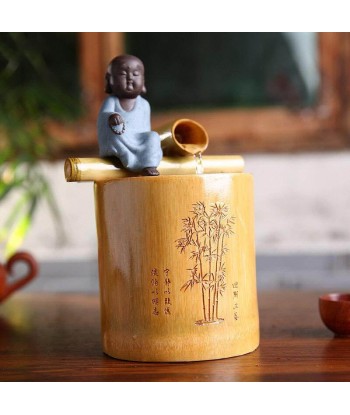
(199, 163)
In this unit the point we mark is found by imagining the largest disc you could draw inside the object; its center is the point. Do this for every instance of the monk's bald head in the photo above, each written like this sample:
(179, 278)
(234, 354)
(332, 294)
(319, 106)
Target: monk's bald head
(125, 77)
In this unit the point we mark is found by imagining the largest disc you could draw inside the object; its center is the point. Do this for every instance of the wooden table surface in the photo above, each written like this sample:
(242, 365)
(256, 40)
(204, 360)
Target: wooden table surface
(55, 337)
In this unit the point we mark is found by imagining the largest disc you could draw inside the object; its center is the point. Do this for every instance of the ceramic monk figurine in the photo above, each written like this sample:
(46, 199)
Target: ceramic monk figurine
(124, 120)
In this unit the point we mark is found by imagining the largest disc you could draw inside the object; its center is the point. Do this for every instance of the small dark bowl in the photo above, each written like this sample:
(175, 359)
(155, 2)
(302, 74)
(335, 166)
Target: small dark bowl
(335, 313)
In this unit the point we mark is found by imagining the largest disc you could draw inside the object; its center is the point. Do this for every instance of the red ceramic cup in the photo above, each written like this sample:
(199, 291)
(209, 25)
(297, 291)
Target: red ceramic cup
(335, 312)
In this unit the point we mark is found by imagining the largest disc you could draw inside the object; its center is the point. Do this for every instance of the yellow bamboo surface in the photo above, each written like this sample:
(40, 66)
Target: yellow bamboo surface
(99, 169)
(177, 267)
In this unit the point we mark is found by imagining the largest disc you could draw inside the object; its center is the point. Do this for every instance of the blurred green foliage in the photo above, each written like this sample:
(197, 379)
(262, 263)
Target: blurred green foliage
(38, 81)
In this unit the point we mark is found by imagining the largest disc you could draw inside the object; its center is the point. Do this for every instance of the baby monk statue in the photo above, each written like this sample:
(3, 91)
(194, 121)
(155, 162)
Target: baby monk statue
(124, 120)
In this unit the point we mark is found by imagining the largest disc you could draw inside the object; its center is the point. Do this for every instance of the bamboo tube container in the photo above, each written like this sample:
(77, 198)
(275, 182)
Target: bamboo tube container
(177, 267)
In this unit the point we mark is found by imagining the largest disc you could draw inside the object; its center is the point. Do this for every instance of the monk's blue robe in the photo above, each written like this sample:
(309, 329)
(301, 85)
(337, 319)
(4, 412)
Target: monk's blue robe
(135, 146)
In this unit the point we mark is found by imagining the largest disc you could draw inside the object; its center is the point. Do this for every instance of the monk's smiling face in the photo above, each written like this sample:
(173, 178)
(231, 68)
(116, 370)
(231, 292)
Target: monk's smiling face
(126, 76)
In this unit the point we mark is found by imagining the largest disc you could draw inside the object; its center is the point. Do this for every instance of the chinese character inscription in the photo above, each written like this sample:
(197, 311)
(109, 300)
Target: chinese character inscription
(161, 300)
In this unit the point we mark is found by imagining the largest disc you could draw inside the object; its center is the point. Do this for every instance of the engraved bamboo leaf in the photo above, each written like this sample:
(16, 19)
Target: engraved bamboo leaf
(205, 232)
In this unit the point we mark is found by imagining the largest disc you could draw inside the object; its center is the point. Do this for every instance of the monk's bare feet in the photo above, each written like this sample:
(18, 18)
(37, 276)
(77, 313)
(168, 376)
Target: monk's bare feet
(150, 171)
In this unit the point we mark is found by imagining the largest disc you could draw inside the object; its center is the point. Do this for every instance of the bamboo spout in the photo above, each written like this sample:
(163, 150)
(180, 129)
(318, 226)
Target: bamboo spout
(183, 137)
(99, 169)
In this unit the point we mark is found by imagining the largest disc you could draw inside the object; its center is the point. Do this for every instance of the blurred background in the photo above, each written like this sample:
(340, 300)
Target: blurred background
(281, 100)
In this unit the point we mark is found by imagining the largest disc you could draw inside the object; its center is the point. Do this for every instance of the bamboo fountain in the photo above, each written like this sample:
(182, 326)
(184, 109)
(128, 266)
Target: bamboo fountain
(176, 252)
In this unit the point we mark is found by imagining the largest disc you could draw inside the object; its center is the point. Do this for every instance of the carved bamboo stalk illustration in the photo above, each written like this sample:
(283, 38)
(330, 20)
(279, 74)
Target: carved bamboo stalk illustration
(206, 232)
(198, 245)
(216, 267)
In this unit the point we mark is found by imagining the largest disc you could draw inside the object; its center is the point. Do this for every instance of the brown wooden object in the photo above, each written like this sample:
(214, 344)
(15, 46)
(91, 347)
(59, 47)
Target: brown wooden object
(56, 337)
